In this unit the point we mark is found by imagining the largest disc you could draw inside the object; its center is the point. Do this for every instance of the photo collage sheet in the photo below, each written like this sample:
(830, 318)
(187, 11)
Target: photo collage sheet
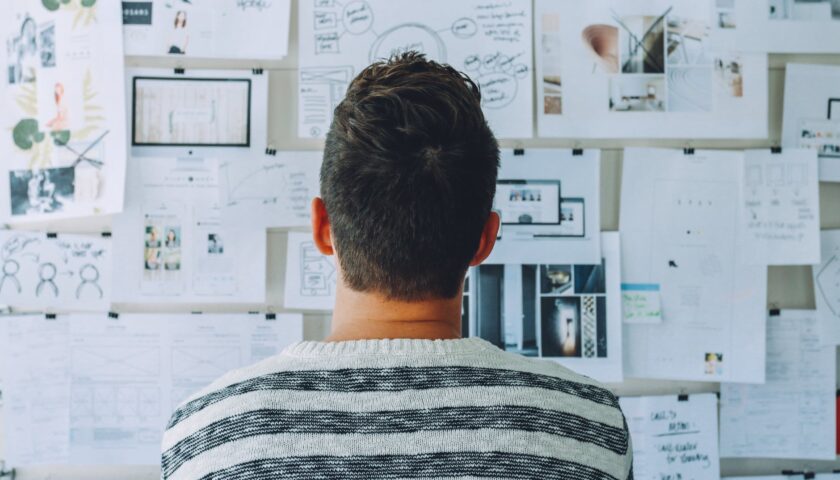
(182, 162)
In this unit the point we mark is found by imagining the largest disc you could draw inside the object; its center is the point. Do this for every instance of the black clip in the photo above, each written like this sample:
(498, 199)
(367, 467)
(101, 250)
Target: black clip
(791, 473)
(688, 151)
(683, 397)
(52, 235)
(810, 475)
(197, 312)
(257, 71)
(518, 152)
(271, 316)
(577, 152)
(775, 150)
(179, 71)
(49, 316)
(106, 234)
(775, 312)
(271, 151)
(113, 315)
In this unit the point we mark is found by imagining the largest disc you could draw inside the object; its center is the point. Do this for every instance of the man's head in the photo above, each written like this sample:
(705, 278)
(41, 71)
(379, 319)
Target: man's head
(408, 180)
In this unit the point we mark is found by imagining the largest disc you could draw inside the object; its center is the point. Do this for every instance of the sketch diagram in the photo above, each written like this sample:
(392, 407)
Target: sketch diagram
(310, 276)
(207, 362)
(490, 41)
(41, 270)
(105, 361)
(271, 193)
(828, 283)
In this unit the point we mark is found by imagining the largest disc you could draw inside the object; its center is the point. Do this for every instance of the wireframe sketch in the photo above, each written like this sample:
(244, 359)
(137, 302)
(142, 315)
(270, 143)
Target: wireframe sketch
(191, 111)
(814, 10)
(491, 42)
(317, 275)
(63, 157)
(68, 271)
(828, 284)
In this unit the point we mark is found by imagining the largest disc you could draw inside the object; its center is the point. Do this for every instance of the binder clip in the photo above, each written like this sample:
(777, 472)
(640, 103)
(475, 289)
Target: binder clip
(518, 152)
(113, 315)
(688, 151)
(257, 71)
(577, 152)
(683, 397)
(106, 234)
(271, 316)
(4, 473)
(49, 316)
(775, 150)
(52, 235)
(179, 71)
(271, 151)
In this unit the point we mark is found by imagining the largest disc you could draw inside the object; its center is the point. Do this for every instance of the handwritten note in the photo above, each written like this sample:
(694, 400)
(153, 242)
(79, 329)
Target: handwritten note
(780, 215)
(641, 303)
(673, 439)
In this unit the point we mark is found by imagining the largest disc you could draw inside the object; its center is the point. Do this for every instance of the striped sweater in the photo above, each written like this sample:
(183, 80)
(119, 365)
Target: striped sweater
(398, 409)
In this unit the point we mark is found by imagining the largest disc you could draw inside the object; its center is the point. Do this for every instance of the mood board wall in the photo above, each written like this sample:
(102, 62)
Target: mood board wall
(789, 287)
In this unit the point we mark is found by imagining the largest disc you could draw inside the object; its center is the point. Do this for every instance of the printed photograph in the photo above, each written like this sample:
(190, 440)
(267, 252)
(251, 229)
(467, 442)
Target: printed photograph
(714, 364)
(729, 77)
(511, 331)
(172, 248)
(179, 37)
(601, 42)
(642, 43)
(214, 244)
(36, 192)
(725, 14)
(590, 279)
(815, 10)
(687, 41)
(822, 136)
(561, 327)
(152, 248)
(552, 83)
(22, 52)
(637, 93)
(690, 89)
(555, 279)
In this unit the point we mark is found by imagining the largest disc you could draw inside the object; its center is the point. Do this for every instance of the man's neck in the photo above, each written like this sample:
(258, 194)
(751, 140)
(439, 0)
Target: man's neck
(366, 316)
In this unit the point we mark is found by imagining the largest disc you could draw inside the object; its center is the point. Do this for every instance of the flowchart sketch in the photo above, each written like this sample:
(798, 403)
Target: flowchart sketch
(274, 192)
(310, 276)
(47, 271)
(490, 41)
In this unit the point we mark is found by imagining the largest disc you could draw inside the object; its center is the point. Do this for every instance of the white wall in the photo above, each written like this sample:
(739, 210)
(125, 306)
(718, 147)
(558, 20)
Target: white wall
(790, 287)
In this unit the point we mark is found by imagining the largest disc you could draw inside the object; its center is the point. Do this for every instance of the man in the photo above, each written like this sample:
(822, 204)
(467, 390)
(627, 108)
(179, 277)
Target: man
(407, 186)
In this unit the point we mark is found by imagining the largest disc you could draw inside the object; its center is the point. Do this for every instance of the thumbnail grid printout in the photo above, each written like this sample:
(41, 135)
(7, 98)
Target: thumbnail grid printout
(174, 244)
(207, 29)
(643, 69)
(62, 121)
(489, 40)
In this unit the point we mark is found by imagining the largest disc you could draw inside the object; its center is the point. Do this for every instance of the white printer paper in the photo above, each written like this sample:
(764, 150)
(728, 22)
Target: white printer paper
(270, 192)
(490, 41)
(780, 214)
(679, 231)
(55, 271)
(173, 245)
(550, 205)
(793, 414)
(673, 439)
(310, 276)
(827, 288)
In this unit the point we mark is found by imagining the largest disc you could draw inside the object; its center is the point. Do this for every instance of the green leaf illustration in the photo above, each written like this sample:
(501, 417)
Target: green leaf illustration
(88, 3)
(60, 137)
(51, 5)
(26, 133)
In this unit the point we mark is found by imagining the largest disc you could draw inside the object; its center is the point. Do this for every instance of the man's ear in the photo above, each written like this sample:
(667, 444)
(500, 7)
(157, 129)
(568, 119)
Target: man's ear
(321, 227)
(488, 239)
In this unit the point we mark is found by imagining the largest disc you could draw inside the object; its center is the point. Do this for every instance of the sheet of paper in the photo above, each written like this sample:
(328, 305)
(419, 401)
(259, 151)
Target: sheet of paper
(310, 276)
(780, 215)
(672, 438)
(55, 272)
(174, 246)
(550, 204)
(568, 313)
(779, 26)
(62, 110)
(93, 389)
(793, 414)
(812, 113)
(641, 303)
(490, 41)
(271, 192)
(827, 288)
(207, 29)
(36, 390)
(198, 113)
(679, 230)
(643, 68)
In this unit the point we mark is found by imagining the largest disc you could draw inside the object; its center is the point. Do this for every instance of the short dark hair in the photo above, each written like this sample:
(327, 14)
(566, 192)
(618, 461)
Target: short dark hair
(408, 178)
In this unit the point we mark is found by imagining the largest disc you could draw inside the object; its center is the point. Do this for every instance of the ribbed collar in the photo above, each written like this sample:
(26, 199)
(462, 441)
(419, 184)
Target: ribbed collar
(398, 346)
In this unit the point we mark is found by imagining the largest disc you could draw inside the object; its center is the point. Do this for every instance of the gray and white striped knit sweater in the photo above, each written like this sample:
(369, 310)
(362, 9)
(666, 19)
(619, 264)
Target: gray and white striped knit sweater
(398, 409)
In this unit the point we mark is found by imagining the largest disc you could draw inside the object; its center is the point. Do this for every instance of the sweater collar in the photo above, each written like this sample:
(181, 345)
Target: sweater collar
(388, 347)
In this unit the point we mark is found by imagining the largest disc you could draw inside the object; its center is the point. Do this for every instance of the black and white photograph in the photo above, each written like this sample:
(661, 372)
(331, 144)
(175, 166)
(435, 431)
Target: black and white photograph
(560, 327)
(41, 191)
(215, 246)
